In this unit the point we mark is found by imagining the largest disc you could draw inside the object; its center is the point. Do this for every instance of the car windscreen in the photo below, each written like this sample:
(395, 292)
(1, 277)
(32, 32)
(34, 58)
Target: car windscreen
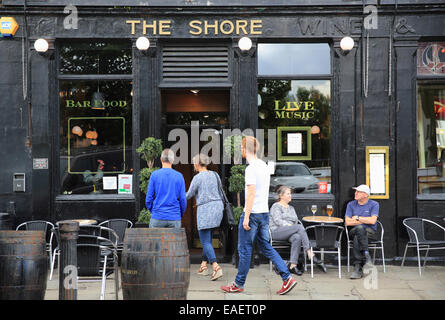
(292, 170)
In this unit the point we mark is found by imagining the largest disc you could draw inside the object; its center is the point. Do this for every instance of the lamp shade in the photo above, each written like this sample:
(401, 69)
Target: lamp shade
(347, 43)
(41, 45)
(245, 44)
(142, 43)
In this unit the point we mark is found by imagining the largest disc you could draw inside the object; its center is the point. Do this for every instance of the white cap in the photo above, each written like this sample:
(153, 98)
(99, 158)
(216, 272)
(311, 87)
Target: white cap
(363, 188)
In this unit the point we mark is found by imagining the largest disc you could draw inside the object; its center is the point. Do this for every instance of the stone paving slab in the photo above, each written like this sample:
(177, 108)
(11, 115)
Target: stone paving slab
(396, 284)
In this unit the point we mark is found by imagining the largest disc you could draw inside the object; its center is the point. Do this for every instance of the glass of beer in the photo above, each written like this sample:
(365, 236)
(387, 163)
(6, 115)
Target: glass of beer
(329, 210)
(314, 209)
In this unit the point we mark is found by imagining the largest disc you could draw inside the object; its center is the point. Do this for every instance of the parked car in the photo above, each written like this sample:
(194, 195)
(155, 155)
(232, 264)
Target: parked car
(295, 175)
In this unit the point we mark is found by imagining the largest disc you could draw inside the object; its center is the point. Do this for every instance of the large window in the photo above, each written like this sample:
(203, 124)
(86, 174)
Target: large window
(95, 118)
(298, 109)
(431, 138)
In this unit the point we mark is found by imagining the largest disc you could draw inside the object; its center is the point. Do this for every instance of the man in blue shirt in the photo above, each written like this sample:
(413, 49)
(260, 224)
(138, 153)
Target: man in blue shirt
(166, 194)
(361, 216)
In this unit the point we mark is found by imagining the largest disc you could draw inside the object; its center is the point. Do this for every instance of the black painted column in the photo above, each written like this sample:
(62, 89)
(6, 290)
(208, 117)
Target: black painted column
(69, 232)
(246, 93)
(344, 123)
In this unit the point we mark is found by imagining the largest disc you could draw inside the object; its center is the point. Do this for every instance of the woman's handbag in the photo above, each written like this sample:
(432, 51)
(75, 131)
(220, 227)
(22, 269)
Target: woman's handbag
(228, 221)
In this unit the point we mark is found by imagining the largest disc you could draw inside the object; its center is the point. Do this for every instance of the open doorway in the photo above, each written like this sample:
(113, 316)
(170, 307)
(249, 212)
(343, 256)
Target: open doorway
(211, 109)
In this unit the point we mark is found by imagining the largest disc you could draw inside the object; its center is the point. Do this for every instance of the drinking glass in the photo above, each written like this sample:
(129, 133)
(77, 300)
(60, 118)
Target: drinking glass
(329, 210)
(314, 209)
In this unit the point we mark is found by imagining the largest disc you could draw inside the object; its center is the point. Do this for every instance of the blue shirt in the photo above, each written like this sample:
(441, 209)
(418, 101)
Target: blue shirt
(166, 195)
(369, 209)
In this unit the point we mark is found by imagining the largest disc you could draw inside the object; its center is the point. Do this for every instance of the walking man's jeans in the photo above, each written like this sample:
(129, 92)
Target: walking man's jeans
(259, 228)
(360, 235)
(155, 223)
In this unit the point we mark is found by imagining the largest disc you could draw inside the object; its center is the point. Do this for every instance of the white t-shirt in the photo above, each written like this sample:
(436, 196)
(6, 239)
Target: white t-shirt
(257, 173)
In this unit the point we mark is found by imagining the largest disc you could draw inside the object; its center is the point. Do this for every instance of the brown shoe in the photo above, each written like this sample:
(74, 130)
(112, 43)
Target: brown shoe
(217, 273)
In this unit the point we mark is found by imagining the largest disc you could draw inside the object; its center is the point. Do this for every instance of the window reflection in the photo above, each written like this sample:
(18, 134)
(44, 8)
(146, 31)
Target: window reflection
(298, 109)
(431, 138)
(294, 59)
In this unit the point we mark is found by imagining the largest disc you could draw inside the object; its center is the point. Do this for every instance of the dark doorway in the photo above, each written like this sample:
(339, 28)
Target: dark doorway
(210, 109)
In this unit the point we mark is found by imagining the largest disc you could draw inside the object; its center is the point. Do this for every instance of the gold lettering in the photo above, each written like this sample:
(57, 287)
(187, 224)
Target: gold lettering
(69, 103)
(241, 25)
(133, 25)
(164, 24)
(195, 24)
(309, 105)
(145, 26)
(277, 105)
(231, 27)
(254, 24)
(207, 26)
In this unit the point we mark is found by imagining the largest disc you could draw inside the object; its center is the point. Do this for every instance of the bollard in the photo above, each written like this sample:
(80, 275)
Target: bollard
(69, 232)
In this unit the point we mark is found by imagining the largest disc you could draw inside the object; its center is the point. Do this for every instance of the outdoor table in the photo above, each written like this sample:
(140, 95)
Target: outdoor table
(83, 222)
(322, 219)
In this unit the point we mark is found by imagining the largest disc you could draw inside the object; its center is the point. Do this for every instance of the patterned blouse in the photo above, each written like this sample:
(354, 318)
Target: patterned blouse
(280, 216)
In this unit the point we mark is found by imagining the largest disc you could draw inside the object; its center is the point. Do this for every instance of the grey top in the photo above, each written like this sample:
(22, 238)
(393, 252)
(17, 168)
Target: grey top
(204, 187)
(280, 216)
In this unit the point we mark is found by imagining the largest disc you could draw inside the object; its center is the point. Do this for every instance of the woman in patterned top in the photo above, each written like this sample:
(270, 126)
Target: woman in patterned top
(284, 225)
(204, 187)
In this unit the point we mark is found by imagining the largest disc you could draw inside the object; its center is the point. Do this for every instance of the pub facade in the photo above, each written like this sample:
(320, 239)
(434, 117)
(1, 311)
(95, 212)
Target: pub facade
(341, 93)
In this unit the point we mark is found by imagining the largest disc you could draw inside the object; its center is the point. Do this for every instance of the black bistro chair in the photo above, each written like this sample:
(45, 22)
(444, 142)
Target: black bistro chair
(372, 244)
(119, 226)
(325, 239)
(96, 260)
(416, 228)
(40, 225)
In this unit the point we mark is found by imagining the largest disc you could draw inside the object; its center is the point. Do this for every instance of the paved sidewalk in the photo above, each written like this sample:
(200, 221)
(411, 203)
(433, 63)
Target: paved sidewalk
(396, 284)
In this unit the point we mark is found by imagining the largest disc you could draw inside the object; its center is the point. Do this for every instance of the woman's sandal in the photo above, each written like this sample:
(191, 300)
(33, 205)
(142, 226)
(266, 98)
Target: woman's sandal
(203, 271)
(217, 273)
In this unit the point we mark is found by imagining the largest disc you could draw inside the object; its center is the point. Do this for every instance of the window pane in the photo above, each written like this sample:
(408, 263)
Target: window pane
(431, 58)
(96, 57)
(431, 138)
(95, 134)
(294, 59)
(299, 111)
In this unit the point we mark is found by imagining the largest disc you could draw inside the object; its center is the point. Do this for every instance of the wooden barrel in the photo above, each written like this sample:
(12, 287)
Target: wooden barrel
(155, 264)
(23, 265)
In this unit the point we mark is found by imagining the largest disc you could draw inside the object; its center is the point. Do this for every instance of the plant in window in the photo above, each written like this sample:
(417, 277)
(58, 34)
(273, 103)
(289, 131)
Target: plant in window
(150, 149)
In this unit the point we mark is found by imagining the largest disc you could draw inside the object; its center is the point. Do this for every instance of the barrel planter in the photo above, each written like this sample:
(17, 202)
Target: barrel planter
(23, 265)
(155, 264)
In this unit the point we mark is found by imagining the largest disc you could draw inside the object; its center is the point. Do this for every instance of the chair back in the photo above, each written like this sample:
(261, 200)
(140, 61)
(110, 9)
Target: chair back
(36, 225)
(119, 226)
(414, 226)
(326, 236)
(90, 251)
(380, 231)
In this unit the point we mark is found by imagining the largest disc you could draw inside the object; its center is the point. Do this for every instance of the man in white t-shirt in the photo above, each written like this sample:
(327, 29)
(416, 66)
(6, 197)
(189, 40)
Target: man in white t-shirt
(254, 222)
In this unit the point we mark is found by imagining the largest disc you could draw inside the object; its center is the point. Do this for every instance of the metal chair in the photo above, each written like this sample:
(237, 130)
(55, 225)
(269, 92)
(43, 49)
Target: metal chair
(416, 228)
(119, 226)
(327, 239)
(40, 225)
(96, 260)
(372, 244)
(87, 230)
(282, 244)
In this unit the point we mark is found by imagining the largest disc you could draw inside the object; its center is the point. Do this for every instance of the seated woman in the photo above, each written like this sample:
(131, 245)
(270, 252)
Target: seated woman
(283, 223)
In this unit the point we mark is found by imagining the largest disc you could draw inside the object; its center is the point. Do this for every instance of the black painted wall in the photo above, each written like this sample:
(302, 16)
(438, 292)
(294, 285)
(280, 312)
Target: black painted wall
(386, 116)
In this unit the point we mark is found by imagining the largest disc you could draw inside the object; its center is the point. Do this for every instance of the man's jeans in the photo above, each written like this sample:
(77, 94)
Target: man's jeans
(259, 228)
(155, 223)
(360, 235)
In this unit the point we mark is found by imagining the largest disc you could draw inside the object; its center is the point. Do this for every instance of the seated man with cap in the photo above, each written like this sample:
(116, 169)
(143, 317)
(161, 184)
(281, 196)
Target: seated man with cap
(361, 217)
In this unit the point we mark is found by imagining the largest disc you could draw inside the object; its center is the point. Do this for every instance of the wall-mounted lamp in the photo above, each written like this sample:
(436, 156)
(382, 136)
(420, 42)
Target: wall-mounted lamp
(142, 43)
(41, 45)
(346, 44)
(245, 44)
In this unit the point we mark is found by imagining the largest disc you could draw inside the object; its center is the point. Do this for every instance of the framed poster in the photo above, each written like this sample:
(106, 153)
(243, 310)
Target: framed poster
(377, 171)
(294, 143)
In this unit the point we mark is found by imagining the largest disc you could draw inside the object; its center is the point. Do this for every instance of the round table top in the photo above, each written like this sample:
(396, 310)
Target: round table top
(83, 222)
(322, 219)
